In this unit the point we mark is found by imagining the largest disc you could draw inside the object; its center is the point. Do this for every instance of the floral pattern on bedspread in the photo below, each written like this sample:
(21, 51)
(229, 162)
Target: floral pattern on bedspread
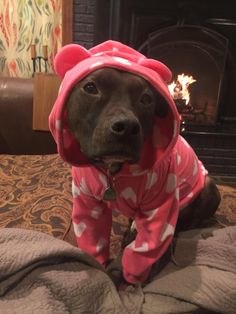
(35, 193)
(226, 213)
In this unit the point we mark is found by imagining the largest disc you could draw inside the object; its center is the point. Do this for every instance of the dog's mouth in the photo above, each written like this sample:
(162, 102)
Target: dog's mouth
(112, 159)
(113, 163)
(116, 159)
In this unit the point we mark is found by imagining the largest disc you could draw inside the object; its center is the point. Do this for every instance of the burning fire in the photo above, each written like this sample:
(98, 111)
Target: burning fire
(179, 87)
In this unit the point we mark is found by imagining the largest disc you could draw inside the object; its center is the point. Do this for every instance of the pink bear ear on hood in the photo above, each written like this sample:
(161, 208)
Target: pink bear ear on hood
(68, 57)
(158, 67)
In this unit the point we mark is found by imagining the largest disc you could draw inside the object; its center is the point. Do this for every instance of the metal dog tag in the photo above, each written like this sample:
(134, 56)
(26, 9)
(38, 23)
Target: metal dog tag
(109, 194)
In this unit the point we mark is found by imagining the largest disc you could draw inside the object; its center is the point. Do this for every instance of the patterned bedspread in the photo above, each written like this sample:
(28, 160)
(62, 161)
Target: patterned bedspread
(35, 193)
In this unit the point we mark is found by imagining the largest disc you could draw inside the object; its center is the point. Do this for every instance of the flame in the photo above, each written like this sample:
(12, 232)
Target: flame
(179, 87)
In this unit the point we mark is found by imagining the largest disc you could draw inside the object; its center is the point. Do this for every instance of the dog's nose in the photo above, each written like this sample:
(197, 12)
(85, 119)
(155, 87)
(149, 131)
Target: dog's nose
(125, 127)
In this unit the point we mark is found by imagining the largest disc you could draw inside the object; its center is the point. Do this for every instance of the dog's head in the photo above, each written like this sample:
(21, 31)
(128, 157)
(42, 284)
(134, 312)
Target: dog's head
(113, 107)
(111, 112)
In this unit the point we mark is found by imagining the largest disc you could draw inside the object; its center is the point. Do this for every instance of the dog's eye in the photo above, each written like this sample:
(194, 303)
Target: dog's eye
(90, 88)
(146, 99)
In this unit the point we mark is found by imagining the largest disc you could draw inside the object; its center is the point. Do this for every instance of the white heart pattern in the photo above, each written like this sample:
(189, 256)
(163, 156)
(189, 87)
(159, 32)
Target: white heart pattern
(96, 212)
(75, 189)
(151, 180)
(101, 244)
(129, 193)
(142, 248)
(151, 213)
(79, 228)
(171, 183)
(168, 230)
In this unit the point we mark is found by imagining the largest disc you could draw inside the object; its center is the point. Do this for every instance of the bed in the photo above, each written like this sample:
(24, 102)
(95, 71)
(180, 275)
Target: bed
(35, 220)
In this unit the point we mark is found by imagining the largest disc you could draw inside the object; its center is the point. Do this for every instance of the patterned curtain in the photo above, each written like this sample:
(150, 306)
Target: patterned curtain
(24, 23)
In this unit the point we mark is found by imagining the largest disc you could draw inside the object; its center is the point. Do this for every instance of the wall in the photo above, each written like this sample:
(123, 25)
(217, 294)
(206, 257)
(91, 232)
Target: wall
(83, 22)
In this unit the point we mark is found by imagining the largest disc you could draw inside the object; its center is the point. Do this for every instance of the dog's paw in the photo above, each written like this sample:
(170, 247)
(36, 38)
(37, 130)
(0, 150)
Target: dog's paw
(114, 271)
(116, 276)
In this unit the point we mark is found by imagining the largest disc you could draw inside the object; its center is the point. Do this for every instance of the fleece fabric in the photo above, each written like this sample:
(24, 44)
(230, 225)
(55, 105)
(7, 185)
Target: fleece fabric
(167, 177)
(46, 275)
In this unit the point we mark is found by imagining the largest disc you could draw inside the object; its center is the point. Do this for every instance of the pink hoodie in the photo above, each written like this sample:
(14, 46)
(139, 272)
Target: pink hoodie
(167, 177)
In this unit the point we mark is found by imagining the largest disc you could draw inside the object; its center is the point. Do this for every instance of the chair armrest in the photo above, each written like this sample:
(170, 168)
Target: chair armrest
(16, 110)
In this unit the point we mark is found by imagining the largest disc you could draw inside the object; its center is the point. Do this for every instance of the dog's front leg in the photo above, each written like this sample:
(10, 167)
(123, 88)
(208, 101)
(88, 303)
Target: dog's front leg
(155, 230)
(92, 222)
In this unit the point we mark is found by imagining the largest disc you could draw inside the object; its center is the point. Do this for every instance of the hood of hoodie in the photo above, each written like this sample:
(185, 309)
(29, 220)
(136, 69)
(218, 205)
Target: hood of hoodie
(74, 62)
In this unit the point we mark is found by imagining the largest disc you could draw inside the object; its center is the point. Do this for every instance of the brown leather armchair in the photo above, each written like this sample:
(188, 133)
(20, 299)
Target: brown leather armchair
(16, 108)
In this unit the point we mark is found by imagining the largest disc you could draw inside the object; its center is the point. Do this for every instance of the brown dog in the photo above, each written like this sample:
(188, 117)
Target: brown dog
(116, 123)
(111, 112)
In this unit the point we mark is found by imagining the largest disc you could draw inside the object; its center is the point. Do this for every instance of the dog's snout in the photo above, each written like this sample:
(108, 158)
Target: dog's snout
(125, 127)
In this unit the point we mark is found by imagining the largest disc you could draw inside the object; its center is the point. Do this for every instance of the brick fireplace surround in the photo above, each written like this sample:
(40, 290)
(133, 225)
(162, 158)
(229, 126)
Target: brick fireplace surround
(134, 22)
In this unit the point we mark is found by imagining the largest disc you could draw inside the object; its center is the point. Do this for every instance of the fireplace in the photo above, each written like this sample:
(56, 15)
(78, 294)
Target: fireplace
(196, 52)
(194, 38)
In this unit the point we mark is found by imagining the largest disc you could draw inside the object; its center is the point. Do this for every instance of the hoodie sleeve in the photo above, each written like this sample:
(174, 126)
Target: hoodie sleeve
(92, 221)
(155, 224)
